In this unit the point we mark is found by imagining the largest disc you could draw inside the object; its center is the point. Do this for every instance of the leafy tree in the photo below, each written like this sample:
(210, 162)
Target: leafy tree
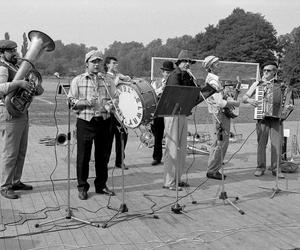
(178, 43)
(24, 45)
(291, 55)
(6, 36)
(65, 59)
(242, 36)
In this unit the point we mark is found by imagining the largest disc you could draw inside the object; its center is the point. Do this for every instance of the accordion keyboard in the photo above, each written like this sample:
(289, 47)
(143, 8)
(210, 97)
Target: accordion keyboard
(259, 96)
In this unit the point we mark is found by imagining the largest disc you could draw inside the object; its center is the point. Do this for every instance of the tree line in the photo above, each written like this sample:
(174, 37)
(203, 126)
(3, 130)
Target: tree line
(241, 37)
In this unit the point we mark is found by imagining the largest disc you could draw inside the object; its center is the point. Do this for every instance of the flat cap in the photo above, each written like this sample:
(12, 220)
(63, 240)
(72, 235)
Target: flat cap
(7, 44)
(92, 55)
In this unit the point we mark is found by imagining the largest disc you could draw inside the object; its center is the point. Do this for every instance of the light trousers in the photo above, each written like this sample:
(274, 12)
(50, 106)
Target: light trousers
(175, 153)
(220, 143)
(15, 138)
(264, 128)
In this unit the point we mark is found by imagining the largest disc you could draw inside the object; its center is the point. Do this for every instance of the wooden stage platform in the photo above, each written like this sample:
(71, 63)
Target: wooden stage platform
(204, 224)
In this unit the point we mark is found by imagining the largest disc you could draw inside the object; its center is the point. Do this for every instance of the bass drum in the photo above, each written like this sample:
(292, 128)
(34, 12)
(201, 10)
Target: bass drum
(137, 102)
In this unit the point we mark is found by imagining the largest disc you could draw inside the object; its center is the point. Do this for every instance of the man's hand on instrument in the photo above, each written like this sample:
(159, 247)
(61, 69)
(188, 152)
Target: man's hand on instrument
(109, 106)
(253, 102)
(24, 85)
(232, 104)
(82, 103)
(290, 107)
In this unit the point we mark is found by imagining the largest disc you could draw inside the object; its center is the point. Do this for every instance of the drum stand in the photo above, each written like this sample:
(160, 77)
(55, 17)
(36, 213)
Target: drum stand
(123, 207)
(223, 194)
(69, 213)
(276, 189)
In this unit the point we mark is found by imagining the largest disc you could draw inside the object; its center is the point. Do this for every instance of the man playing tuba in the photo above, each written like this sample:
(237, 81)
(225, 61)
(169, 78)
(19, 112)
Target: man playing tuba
(15, 129)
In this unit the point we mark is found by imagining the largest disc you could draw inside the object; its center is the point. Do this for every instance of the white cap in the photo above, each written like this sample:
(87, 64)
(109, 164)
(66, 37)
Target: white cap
(209, 61)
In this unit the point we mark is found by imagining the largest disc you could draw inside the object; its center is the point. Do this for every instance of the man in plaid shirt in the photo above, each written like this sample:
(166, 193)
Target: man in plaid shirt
(90, 100)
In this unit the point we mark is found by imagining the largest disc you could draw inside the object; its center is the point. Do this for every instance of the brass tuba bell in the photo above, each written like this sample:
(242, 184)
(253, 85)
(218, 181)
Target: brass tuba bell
(18, 101)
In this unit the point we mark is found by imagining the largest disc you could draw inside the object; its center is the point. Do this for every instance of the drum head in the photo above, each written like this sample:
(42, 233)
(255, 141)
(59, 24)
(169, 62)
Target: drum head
(135, 98)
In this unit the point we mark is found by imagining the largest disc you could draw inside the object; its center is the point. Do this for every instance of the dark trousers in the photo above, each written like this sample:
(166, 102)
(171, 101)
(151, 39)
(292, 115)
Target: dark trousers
(97, 131)
(115, 132)
(158, 128)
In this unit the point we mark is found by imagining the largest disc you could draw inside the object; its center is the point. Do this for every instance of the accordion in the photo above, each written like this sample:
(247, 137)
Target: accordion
(274, 100)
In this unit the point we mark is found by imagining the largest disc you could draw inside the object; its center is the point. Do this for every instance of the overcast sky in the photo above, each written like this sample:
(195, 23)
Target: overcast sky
(101, 22)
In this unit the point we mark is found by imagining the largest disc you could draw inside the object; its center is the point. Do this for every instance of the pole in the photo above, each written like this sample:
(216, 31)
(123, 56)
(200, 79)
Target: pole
(69, 212)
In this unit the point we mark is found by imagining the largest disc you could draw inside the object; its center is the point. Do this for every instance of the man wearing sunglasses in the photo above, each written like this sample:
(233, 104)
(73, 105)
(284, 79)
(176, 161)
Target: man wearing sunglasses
(267, 125)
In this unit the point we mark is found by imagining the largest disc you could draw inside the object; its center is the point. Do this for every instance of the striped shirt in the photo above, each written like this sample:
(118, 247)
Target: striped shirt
(92, 89)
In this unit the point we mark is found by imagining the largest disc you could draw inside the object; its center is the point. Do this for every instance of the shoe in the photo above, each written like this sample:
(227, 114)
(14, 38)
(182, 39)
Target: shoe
(120, 166)
(9, 193)
(183, 184)
(155, 162)
(280, 175)
(216, 175)
(106, 191)
(172, 188)
(21, 186)
(259, 172)
(83, 195)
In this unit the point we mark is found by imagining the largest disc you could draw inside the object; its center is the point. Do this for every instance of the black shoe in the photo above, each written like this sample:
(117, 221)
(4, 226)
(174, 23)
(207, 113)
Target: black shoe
(83, 195)
(183, 184)
(280, 175)
(155, 162)
(21, 186)
(217, 175)
(106, 191)
(9, 193)
(120, 166)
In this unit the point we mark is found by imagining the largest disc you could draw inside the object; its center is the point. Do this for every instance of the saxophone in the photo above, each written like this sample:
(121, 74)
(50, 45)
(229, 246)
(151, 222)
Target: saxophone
(18, 101)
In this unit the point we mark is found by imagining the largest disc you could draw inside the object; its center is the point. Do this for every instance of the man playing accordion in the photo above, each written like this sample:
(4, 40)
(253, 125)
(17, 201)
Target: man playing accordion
(266, 124)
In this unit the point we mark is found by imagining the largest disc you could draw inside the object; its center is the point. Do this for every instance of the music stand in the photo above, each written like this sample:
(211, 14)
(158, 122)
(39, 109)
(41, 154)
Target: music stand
(69, 213)
(179, 101)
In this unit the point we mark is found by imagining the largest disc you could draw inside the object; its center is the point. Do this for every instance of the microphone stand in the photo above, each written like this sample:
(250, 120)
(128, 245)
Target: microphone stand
(176, 208)
(122, 129)
(223, 194)
(276, 189)
(69, 212)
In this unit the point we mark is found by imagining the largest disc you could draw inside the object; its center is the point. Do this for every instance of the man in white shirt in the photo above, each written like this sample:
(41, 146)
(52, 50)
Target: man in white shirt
(221, 122)
(158, 125)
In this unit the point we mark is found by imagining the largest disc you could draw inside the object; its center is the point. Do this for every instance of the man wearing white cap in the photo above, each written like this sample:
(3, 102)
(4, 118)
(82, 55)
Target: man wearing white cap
(90, 100)
(216, 104)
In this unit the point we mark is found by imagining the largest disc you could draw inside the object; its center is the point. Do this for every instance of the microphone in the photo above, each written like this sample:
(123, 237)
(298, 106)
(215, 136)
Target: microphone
(56, 74)
(191, 74)
(100, 75)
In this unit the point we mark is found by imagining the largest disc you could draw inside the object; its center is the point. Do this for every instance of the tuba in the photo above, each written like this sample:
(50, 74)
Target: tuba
(18, 101)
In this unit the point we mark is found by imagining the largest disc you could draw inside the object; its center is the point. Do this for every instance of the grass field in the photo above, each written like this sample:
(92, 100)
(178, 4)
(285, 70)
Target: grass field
(50, 106)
